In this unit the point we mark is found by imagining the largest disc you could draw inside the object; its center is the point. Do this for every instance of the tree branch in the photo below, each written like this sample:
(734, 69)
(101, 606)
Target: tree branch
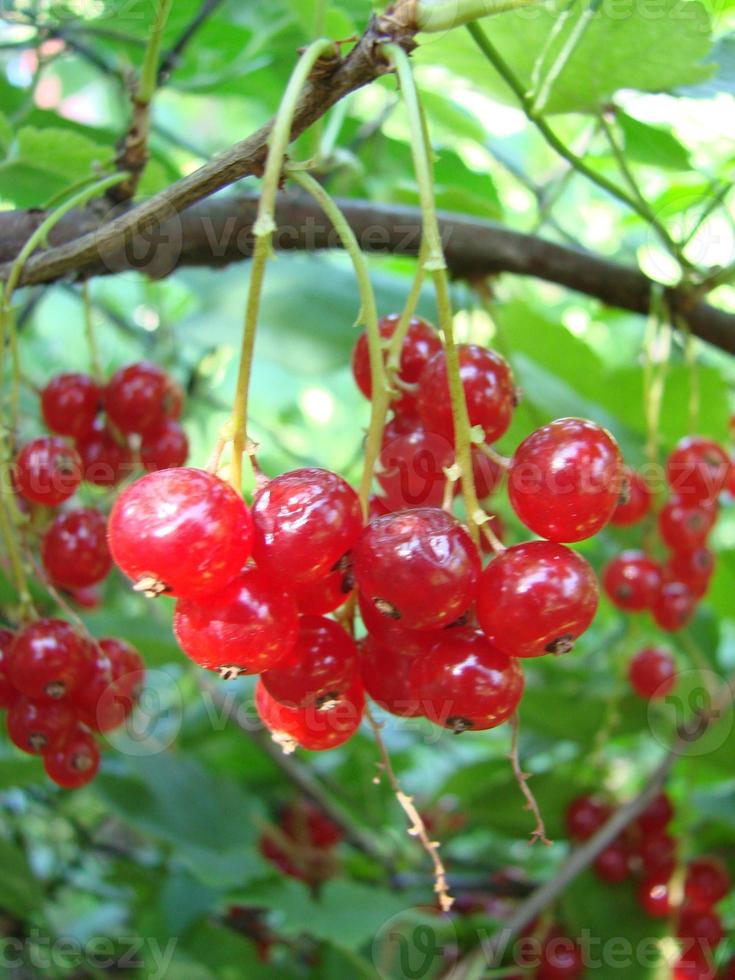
(218, 232)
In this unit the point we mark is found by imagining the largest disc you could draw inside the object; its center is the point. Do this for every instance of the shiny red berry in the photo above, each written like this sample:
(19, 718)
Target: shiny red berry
(657, 815)
(69, 404)
(74, 549)
(561, 959)
(112, 690)
(305, 521)
(585, 815)
(389, 632)
(673, 606)
(38, 727)
(564, 480)
(693, 568)
(421, 342)
(654, 896)
(411, 469)
(8, 693)
(536, 598)
(634, 501)
(489, 391)
(310, 728)
(703, 925)
(464, 682)
(320, 668)
(325, 594)
(180, 531)
(632, 581)
(612, 864)
(684, 526)
(417, 567)
(75, 762)
(247, 626)
(164, 446)
(47, 471)
(707, 882)
(652, 673)
(385, 675)
(89, 597)
(140, 396)
(48, 660)
(697, 470)
(106, 458)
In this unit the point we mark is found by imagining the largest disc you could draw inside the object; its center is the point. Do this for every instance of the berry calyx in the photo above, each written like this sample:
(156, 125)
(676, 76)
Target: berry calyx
(140, 396)
(164, 446)
(698, 470)
(47, 471)
(183, 532)
(464, 682)
(310, 728)
(75, 762)
(39, 727)
(47, 660)
(564, 479)
(248, 626)
(489, 391)
(305, 522)
(417, 567)
(632, 581)
(325, 594)
(69, 404)
(320, 668)
(74, 549)
(634, 501)
(106, 458)
(536, 598)
(652, 673)
(386, 678)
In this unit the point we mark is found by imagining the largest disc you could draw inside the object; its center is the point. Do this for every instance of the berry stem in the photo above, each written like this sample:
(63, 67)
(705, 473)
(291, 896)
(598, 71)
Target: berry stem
(94, 359)
(539, 831)
(502, 461)
(368, 311)
(399, 335)
(263, 229)
(436, 265)
(416, 825)
(657, 347)
(8, 530)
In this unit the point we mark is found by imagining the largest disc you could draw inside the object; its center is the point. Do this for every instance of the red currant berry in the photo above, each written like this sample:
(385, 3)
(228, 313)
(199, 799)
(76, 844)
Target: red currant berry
(561, 959)
(74, 550)
(707, 882)
(488, 387)
(140, 396)
(695, 964)
(69, 404)
(536, 598)
(487, 475)
(376, 507)
(110, 694)
(652, 673)
(657, 853)
(464, 682)
(674, 606)
(611, 865)
(697, 470)
(320, 668)
(564, 480)
(248, 626)
(385, 675)
(75, 762)
(325, 594)
(418, 567)
(305, 522)
(693, 568)
(389, 633)
(47, 660)
(420, 344)
(654, 896)
(181, 531)
(634, 501)
(657, 815)
(106, 459)
(47, 471)
(8, 694)
(411, 469)
(703, 925)
(311, 728)
(684, 526)
(89, 597)
(632, 581)
(36, 727)
(164, 446)
(303, 821)
(585, 815)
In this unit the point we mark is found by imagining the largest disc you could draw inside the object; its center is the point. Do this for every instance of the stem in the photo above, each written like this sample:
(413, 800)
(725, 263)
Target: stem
(7, 530)
(393, 361)
(380, 394)
(89, 334)
(578, 32)
(539, 831)
(436, 265)
(443, 15)
(149, 70)
(263, 229)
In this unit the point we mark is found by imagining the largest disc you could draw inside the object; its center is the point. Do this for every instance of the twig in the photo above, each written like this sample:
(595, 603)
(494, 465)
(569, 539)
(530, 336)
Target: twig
(539, 832)
(416, 825)
(173, 56)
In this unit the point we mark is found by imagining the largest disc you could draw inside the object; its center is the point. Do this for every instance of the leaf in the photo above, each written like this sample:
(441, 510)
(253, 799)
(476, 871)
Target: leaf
(225, 955)
(626, 46)
(6, 133)
(184, 899)
(652, 145)
(20, 892)
(723, 80)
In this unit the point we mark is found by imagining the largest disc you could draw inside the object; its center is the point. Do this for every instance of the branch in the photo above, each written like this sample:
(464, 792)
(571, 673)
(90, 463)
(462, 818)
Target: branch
(218, 232)
(173, 56)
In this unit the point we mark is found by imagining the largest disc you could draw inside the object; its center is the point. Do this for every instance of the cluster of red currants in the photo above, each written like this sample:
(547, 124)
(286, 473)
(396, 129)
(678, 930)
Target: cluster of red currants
(444, 638)
(697, 471)
(687, 895)
(100, 435)
(302, 842)
(60, 688)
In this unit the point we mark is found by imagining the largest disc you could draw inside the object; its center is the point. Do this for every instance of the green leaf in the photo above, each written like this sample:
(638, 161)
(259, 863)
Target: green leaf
(6, 133)
(20, 892)
(652, 145)
(184, 899)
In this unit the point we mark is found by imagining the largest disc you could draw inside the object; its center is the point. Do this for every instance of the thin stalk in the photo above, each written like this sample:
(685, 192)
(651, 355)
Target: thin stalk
(94, 359)
(562, 59)
(149, 69)
(443, 15)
